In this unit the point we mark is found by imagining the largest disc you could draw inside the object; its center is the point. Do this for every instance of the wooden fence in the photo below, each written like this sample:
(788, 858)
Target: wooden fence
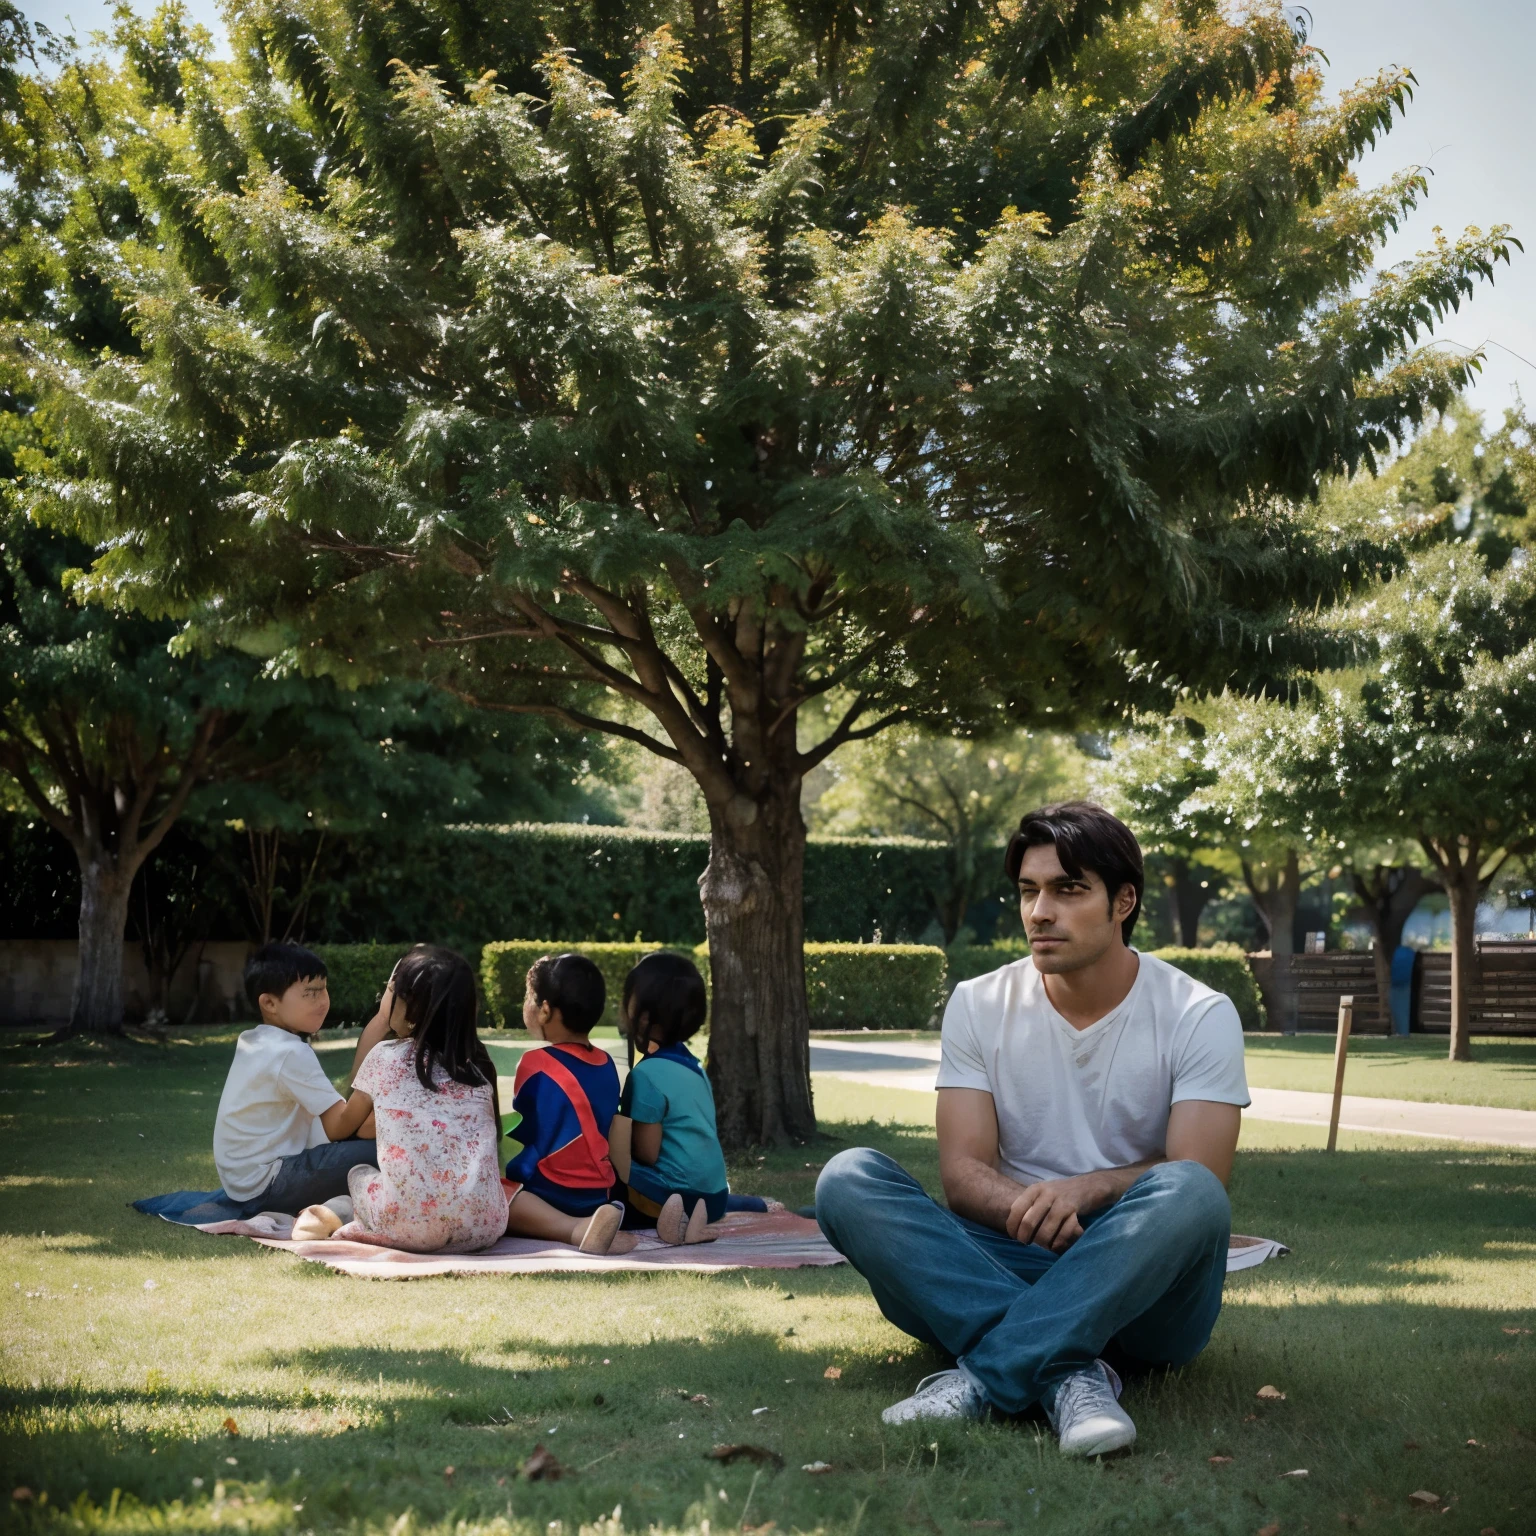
(1503, 991)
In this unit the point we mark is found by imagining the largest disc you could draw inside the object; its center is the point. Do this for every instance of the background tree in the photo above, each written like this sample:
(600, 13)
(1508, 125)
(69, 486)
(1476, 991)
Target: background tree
(1147, 777)
(966, 793)
(952, 371)
(1436, 736)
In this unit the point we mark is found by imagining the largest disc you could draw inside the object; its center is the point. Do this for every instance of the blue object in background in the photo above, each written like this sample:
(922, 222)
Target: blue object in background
(1403, 963)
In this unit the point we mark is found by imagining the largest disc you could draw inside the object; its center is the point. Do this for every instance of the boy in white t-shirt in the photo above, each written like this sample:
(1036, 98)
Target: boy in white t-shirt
(285, 1138)
(1089, 1106)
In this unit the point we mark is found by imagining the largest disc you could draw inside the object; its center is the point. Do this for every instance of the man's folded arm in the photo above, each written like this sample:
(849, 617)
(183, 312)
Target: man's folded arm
(1047, 1212)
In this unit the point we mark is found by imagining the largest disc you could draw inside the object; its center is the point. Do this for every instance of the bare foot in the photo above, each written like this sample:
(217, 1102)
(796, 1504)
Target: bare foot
(315, 1223)
(671, 1224)
(597, 1233)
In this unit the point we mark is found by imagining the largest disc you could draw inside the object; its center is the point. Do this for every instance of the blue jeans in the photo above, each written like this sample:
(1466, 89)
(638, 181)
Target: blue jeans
(309, 1177)
(1143, 1282)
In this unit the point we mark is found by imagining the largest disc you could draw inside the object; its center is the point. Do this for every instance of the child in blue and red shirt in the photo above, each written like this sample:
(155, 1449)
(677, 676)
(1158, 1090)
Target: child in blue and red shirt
(567, 1094)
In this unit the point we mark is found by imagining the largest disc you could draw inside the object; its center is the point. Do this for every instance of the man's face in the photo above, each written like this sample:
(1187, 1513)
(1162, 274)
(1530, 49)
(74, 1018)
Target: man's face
(1069, 919)
(301, 1010)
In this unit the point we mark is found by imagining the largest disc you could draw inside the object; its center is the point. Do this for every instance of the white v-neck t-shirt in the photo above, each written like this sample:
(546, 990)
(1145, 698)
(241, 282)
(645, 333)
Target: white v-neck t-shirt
(1073, 1101)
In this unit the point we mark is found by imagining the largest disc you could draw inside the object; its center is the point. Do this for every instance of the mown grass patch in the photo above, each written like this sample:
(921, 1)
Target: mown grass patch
(131, 1346)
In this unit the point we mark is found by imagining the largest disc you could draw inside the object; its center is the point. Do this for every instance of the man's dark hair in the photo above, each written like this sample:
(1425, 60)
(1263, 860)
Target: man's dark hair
(574, 985)
(665, 1000)
(1085, 836)
(275, 967)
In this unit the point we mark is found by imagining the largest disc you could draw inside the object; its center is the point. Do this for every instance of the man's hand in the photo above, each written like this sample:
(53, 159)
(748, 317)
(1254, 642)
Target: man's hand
(1047, 1213)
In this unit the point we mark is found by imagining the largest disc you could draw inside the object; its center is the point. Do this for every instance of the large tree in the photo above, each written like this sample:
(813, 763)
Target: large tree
(951, 363)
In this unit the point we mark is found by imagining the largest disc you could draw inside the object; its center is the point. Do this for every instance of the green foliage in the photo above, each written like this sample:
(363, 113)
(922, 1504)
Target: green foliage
(968, 960)
(1223, 968)
(356, 975)
(592, 358)
(874, 986)
(464, 886)
(504, 973)
(967, 793)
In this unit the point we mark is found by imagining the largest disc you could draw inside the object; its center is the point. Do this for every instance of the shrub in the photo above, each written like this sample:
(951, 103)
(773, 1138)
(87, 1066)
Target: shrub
(1224, 968)
(356, 977)
(874, 986)
(504, 974)
(968, 960)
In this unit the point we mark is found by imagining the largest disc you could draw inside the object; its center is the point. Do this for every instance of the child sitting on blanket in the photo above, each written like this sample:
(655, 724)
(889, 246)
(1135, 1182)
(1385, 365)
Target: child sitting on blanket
(284, 1137)
(437, 1185)
(663, 1141)
(560, 1180)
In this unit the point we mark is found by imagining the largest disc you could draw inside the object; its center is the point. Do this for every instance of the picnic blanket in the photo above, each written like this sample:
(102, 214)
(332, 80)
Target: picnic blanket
(778, 1240)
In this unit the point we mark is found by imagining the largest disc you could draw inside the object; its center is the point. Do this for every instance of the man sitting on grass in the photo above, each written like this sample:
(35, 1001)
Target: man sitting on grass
(285, 1138)
(1088, 1111)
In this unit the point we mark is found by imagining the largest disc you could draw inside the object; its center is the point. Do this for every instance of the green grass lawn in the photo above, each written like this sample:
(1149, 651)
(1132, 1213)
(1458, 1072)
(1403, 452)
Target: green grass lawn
(1502, 1073)
(156, 1380)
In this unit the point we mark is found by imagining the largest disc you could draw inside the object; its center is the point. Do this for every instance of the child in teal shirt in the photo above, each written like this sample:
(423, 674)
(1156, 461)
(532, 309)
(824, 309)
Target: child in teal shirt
(663, 1142)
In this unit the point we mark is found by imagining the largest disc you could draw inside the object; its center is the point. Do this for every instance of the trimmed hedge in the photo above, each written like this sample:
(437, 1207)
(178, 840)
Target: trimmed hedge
(504, 974)
(874, 986)
(462, 886)
(968, 960)
(356, 976)
(848, 986)
(1224, 968)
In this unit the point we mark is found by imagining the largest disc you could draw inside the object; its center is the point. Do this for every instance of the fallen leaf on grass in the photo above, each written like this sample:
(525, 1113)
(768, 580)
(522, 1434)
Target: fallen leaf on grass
(1515, 1333)
(21, 1495)
(1487, 1530)
(1473, 1445)
(763, 1529)
(1270, 1395)
(1220, 1461)
(759, 1453)
(543, 1466)
(448, 1473)
(231, 1428)
(1422, 1498)
(1270, 1530)
(1295, 1472)
(833, 1373)
(816, 1468)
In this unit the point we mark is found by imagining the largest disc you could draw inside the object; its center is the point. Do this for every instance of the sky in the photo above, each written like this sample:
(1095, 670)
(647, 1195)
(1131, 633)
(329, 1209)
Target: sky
(1467, 124)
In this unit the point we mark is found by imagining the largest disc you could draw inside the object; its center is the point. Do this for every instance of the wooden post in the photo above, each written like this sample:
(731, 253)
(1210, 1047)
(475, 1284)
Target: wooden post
(1340, 1053)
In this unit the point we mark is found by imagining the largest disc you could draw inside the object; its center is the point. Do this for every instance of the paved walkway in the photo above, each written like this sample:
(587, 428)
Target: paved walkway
(915, 1065)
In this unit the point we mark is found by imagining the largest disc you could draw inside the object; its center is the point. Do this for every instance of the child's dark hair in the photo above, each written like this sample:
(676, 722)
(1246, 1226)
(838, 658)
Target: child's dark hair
(574, 985)
(437, 987)
(664, 1000)
(275, 967)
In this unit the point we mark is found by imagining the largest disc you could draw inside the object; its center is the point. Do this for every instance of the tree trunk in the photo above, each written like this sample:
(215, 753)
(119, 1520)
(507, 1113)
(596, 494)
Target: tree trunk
(1462, 889)
(97, 1006)
(1189, 901)
(1389, 895)
(759, 1044)
(1275, 901)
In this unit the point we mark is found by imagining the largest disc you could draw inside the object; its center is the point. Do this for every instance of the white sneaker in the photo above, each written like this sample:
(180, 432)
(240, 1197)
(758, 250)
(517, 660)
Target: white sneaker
(1087, 1415)
(944, 1395)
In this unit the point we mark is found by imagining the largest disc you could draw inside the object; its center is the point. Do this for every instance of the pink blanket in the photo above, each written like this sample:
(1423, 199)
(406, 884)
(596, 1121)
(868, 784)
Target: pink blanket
(778, 1240)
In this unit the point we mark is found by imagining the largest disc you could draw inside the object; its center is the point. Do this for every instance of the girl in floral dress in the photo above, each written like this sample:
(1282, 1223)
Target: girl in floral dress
(437, 1188)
